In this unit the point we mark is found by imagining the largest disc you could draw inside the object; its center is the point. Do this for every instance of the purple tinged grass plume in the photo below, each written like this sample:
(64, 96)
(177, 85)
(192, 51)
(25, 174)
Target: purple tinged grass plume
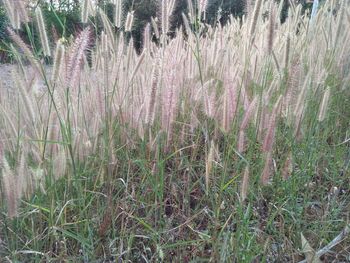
(169, 94)
(42, 32)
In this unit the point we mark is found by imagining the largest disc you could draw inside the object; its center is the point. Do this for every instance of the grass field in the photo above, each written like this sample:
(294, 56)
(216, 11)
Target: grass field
(220, 144)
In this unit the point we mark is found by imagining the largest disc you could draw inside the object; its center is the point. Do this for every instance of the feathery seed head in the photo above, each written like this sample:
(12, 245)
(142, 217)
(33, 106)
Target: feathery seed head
(245, 184)
(42, 32)
(58, 60)
(129, 21)
(266, 174)
(155, 27)
(270, 135)
(209, 164)
(17, 13)
(75, 60)
(12, 186)
(190, 8)
(249, 113)
(10, 13)
(147, 37)
(271, 30)
(27, 52)
(153, 93)
(241, 141)
(118, 13)
(287, 167)
(186, 24)
(85, 11)
(167, 8)
(202, 5)
(324, 105)
(255, 17)
(286, 56)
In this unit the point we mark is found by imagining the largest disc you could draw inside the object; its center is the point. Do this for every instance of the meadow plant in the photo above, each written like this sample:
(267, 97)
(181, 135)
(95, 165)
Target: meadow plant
(161, 84)
(253, 85)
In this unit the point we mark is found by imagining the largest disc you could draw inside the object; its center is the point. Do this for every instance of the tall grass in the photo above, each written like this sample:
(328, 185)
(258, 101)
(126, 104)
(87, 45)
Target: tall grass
(134, 136)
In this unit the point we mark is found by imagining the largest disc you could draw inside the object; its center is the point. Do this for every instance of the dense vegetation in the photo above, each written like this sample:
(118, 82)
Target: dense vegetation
(219, 142)
(63, 18)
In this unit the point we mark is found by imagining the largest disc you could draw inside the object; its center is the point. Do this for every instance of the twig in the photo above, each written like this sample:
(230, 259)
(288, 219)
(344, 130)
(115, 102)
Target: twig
(345, 141)
(332, 244)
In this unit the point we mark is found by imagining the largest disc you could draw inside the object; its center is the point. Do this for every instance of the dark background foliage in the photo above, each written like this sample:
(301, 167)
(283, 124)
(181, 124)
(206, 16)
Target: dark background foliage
(64, 18)
(3, 35)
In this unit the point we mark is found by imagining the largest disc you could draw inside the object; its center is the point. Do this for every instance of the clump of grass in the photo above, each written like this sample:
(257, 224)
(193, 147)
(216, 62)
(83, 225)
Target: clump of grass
(199, 147)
